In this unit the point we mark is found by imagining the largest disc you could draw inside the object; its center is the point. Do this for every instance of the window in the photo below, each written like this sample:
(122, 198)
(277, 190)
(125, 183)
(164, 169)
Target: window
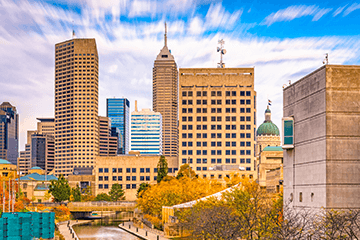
(119, 178)
(227, 160)
(248, 101)
(288, 130)
(134, 170)
(242, 93)
(147, 178)
(248, 168)
(248, 135)
(183, 161)
(204, 102)
(101, 178)
(233, 152)
(300, 197)
(242, 110)
(190, 144)
(204, 144)
(142, 170)
(183, 144)
(155, 170)
(133, 178)
(227, 93)
(248, 160)
(142, 178)
(242, 144)
(198, 144)
(106, 178)
(248, 119)
(248, 110)
(198, 119)
(127, 186)
(155, 178)
(114, 170)
(198, 168)
(198, 160)
(183, 127)
(248, 152)
(248, 144)
(213, 93)
(227, 152)
(190, 93)
(218, 93)
(128, 170)
(233, 160)
(233, 144)
(204, 93)
(119, 170)
(204, 169)
(100, 186)
(106, 186)
(127, 178)
(213, 160)
(218, 144)
(114, 178)
(213, 152)
(106, 170)
(218, 160)
(101, 170)
(242, 160)
(198, 94)
(198, 102)
(184, 102)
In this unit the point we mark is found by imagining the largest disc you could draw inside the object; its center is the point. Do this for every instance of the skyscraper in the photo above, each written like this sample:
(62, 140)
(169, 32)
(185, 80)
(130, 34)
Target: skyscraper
(165, 98)
(76, 105)
(217, 121)
(107, 142)
(117, 109)
(146, 132)
(9, 132)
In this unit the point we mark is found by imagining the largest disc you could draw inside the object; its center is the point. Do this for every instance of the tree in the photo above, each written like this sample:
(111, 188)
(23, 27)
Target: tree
(103, 197)
(162, 169)
(87, 195)
(185, 170)
(142, 188)
(117, 193)
(60, 189)
(76, 193)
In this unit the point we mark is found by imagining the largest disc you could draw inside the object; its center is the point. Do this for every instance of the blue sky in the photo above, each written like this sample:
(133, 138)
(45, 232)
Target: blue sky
(282, 40)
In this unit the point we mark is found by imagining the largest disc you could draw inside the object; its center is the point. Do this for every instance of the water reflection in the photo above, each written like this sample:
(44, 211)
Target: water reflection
(89, 232)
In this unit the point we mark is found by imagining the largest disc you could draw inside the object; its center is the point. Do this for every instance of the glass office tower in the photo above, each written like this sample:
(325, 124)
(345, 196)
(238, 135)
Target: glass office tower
(146, 132)
(118, 110)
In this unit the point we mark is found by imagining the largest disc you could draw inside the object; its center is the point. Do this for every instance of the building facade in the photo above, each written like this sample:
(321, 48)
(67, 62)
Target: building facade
(165, 98)
(217, 121)
(9, 133)
(321, 139)
(269, 154)
(118, 110)
(108, 144)
(76, 105)
(146, 132)
(129, 171)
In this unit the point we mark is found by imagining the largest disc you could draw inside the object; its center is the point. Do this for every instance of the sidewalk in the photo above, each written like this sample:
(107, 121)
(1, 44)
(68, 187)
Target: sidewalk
(143, 233)
(67, 231)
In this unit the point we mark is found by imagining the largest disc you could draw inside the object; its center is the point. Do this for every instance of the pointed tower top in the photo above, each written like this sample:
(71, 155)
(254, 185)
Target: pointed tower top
(165, 36)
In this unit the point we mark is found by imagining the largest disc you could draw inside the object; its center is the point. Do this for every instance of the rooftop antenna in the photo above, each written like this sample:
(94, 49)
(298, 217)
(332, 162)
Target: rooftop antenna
(73, 32)
(165, 36)
(222, 52)
(326, 60)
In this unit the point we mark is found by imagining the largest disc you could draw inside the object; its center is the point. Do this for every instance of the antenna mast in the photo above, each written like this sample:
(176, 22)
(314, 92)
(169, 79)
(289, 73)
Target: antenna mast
(326, 60)
(165, 36)
(222, 52)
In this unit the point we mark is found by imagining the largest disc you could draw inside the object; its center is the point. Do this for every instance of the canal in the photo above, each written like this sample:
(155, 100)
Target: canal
(95, 231)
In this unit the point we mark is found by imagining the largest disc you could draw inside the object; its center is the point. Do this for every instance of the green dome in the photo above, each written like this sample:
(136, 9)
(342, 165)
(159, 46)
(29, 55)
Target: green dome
(268, 128)
(273, 148)
(3, 161)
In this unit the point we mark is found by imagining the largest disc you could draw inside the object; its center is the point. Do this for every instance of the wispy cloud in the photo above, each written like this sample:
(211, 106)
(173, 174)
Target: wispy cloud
(339, 10)
(294, 12)
(353, 7)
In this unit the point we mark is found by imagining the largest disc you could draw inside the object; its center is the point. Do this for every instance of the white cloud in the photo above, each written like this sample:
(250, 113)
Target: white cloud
(294, 12)
(353, 7)
(339, 10)
(218, 16)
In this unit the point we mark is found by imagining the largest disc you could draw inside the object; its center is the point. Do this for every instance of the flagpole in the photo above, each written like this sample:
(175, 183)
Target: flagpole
(9, 195)
(3, 196)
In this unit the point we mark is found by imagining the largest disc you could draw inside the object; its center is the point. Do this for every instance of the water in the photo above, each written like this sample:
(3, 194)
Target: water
(96, 232)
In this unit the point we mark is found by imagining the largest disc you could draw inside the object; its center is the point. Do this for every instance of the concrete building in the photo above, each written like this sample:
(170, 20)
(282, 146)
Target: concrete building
(146, 132)
(165, 98)
(40, 147)
(108, 144)
(118, 110)
(129, 171)
(321, 139)
(218, 121)
(269, 154)
(9, 133)
(7, 168)
(76, 104)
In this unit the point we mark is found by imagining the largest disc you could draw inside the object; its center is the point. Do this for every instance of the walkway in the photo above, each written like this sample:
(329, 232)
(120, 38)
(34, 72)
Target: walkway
(67, 231)
(143, 233)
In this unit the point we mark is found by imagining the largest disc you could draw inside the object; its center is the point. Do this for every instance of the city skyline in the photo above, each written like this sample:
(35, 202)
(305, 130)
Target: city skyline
(129, 37)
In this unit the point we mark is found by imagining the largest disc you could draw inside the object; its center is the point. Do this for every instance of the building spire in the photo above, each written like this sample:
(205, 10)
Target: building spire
(165, 36)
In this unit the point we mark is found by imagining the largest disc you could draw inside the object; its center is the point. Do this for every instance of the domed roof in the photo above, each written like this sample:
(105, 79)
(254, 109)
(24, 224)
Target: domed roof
(36, 167)
(268, 127)
(3, 161)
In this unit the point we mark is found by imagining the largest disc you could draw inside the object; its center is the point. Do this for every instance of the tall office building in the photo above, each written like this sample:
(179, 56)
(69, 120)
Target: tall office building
(118, 110)
(321, 139)
(218, 121)
(107, 142)
(165, 98)
(146, 132)
(9, 132)
(76, 105)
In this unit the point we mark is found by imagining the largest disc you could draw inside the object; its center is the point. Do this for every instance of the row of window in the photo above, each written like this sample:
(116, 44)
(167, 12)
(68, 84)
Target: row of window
(215, 135)
(215, 110)
(220, 176)
(216, 152)
(214, 161)
(216, 144)
(217, 101)
(215, 93)
(215, 127)
(128, 178)
(132, 170)
(128, 186)
(204, 118)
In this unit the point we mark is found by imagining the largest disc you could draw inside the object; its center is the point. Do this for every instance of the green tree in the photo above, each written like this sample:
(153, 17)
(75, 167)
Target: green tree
(117, 193)
(76, 193)
(162, 169)
(87, 195)
(185, 170)
(60, 189)
(142, 189)
(103, 197)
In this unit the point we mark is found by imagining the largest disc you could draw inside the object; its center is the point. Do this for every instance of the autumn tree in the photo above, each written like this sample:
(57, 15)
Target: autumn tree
(103, 197)
(117, 193)
(143, 186)
(87, 195)
(60, 189)
(76, 194)
(185, 170)
(162, 169)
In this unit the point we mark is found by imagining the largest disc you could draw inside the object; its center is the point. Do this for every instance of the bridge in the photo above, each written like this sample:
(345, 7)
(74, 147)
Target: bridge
(85, 209)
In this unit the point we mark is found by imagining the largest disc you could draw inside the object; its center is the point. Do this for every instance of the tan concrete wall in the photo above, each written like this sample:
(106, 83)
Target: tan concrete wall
(124, 162)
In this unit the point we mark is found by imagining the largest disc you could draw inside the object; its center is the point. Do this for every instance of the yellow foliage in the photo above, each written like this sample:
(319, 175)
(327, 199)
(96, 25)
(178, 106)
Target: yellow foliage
(175, 191)
(62, 213)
